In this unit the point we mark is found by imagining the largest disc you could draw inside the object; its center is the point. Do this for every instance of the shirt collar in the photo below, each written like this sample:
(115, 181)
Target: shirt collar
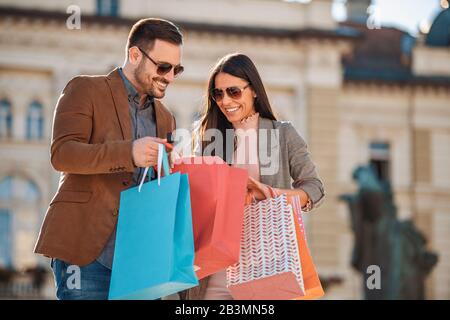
(132, 92)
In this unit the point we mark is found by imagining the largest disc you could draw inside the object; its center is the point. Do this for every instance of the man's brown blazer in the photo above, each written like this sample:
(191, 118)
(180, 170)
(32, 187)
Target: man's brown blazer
(91, 147)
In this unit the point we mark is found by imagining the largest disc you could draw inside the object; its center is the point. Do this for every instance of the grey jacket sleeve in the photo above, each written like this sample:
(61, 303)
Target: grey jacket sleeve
(301, 167)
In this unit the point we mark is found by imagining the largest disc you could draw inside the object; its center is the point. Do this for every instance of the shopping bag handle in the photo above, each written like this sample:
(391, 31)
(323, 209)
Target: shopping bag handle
(163, 163)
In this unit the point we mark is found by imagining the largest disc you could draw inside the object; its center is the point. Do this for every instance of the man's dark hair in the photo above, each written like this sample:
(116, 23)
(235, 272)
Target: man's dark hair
(144, 33)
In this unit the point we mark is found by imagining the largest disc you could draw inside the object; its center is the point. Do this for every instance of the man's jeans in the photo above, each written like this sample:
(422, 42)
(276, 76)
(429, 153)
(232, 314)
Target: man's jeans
(90, 282)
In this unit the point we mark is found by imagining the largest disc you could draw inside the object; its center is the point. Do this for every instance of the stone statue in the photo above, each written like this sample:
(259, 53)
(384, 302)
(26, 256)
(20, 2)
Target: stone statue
(381, 240)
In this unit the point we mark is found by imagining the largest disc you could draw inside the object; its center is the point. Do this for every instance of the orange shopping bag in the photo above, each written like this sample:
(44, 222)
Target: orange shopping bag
(311, 281)
(218, 194)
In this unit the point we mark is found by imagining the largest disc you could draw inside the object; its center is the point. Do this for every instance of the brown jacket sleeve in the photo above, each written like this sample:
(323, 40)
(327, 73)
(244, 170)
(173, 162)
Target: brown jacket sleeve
(71, 150)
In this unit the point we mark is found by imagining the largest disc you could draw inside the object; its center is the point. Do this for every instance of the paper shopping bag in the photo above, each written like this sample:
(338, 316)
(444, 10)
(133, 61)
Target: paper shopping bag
(218, 197)
(313, 287)
(269, 265)
(154, 250)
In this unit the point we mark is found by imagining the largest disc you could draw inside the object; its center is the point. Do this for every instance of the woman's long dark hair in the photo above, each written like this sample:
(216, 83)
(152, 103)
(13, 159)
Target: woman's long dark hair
(238, 65)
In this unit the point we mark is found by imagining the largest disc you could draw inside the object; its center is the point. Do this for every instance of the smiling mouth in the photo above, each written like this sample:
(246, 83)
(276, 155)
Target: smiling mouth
(232, 110)
(161, 85)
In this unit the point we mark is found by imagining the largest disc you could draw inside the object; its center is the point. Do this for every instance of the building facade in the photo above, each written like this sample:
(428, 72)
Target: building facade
(305, 60)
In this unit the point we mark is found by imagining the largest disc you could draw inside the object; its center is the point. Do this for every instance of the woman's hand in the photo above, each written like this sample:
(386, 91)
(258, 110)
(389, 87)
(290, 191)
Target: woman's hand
(258, 190)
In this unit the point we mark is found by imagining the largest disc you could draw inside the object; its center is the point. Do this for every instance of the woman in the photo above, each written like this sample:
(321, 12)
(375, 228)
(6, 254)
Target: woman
(237, 101)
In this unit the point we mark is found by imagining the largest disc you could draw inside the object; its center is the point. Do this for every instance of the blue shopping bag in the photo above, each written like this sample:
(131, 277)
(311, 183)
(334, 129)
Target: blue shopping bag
(154, 250)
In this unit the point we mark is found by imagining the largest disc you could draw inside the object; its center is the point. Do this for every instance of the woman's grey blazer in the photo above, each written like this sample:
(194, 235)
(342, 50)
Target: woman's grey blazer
(284, 159)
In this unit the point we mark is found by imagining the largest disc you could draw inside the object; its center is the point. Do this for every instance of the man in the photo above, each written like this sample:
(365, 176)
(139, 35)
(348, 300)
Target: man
(105, 130)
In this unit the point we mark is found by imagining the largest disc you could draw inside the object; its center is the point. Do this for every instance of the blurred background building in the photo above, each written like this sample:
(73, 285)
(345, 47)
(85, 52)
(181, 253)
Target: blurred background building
(357, 91)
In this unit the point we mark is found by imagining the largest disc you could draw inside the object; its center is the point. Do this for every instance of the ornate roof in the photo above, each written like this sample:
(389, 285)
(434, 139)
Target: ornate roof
(384, 56)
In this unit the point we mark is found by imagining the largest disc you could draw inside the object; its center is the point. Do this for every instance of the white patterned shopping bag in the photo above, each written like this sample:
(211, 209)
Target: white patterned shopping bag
(269, 266)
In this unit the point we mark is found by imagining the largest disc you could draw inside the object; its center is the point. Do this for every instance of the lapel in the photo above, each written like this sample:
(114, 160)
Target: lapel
(264, 146)
(119, 94)
(161, 120)
(120, 98)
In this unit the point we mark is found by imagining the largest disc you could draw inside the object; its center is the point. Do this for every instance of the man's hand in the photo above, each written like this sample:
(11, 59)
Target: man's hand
(145, 151)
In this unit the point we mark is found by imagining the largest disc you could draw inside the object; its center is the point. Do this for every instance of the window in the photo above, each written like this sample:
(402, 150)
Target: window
(379, 159)
(5, 119)
(108, 8)
(17, 195)
(35, 121)
(5, 239)
(18, 188)
(6, 189)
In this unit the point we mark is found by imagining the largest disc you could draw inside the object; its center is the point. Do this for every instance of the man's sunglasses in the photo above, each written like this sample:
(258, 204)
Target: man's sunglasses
(164, 68)
(233, 92)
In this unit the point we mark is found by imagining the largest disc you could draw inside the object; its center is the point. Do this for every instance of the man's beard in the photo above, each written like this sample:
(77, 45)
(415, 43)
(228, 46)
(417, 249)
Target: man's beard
(148, 88)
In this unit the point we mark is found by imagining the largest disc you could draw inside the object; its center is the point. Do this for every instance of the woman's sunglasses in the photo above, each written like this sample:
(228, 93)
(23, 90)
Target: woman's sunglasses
(163, 68)
(233, 92)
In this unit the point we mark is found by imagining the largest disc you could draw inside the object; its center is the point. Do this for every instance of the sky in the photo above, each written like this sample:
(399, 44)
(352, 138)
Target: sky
(403, 14)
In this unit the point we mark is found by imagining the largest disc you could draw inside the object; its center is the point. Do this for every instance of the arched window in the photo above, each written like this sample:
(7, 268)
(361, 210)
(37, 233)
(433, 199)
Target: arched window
(17, 188)
(5, 119)
(19, 217)
(35, 121)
